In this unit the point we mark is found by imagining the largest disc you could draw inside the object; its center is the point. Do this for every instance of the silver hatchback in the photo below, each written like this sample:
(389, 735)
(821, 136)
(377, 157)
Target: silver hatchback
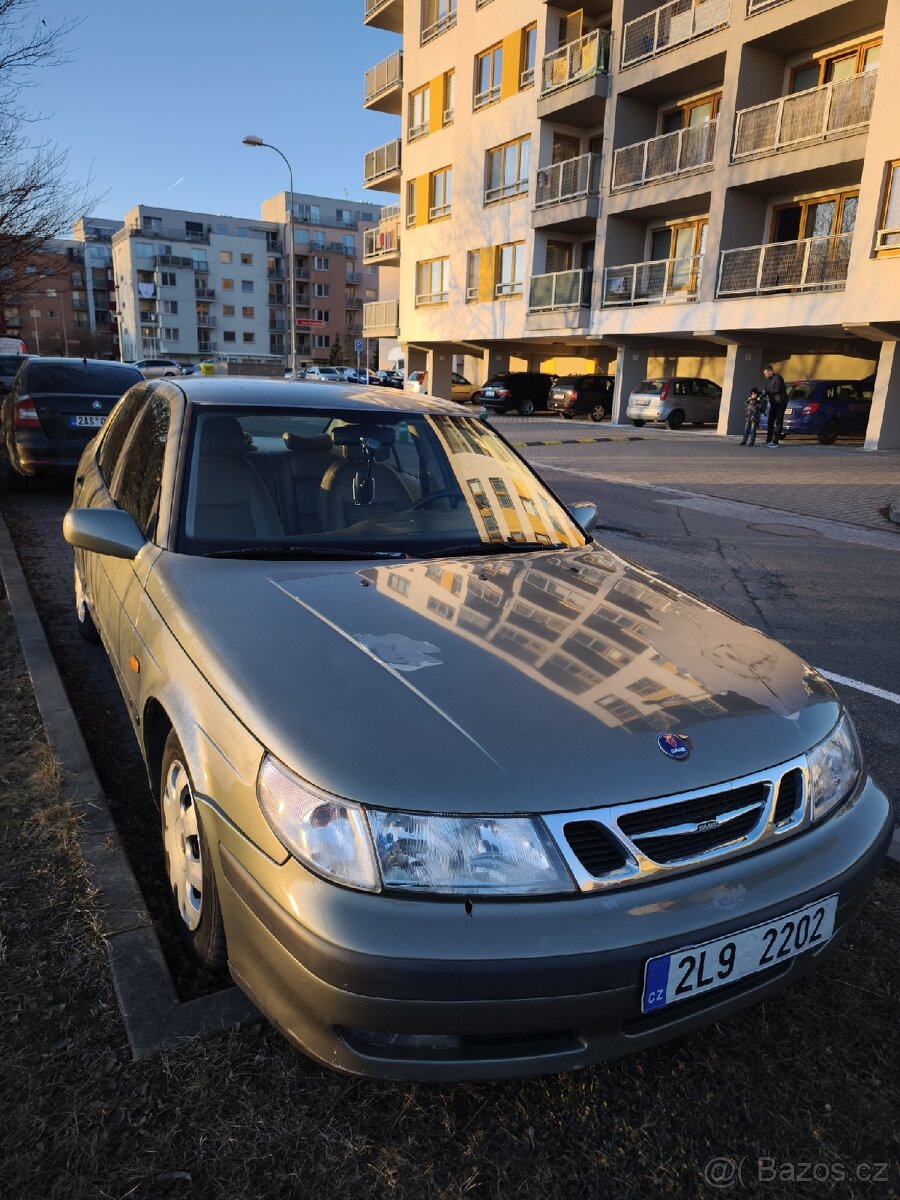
(675, 400)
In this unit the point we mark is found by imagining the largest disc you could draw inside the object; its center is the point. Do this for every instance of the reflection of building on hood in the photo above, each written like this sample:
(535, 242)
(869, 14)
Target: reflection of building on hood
(725, 658)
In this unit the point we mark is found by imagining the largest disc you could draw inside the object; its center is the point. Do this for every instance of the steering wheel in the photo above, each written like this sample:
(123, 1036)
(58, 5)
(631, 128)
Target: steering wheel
(443, 494)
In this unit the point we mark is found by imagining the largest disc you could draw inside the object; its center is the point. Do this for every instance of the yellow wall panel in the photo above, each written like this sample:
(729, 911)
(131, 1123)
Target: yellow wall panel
(486, 273)
(512, 64)
(438, 103)
(423, 199)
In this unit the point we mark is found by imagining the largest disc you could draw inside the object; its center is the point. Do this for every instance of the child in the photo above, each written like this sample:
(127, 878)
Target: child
(752, 409)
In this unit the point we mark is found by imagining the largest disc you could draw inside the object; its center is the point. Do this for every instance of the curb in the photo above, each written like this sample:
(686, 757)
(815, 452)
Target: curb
(154, 1018)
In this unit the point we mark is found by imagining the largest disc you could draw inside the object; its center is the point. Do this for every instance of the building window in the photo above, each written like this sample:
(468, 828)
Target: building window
(506, 170)
(321, 264)
(437, 16)
(170, 306)
(473, 259)
(441, 189)
(246, 260)
(510, 269)
(229, 336)
(348, 241)
(529, 51)
(411, 190)
(227, 310)
(220, 228)
(431, 281)
(889, 231)
(167, 279)
(322, 341)
(832, 68)
(246, 285)
(323, 290)
(225, 256)
(249, 337)
(321, 314)
(419, 113)
(449, 97)
(227, 285)
(170, 333)
(488, 73)
(248, 313)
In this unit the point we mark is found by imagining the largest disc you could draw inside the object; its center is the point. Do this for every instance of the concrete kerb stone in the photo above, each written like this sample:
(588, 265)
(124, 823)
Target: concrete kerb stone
(153, 1016)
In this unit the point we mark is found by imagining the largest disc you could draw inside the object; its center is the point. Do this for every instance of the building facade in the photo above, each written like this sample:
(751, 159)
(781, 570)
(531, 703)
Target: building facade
(699, 187)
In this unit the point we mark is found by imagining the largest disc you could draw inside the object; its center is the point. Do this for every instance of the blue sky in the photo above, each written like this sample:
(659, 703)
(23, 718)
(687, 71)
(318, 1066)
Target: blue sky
(157, 96)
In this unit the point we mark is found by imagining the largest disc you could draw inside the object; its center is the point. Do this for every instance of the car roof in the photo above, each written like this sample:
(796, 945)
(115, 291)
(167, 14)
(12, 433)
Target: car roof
(241, 391)
(71, 360)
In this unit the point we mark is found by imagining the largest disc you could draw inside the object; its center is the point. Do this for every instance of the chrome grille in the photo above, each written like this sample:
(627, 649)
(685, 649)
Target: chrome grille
(633, 842)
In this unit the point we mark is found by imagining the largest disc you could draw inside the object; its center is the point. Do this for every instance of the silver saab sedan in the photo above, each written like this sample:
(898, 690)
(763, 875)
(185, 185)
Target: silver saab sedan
(453, 791)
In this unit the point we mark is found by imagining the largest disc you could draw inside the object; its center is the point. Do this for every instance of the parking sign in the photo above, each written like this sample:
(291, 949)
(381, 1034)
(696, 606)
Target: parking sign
(358, 345)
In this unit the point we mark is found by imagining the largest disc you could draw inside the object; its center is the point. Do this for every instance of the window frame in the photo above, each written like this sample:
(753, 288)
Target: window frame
(440, 210)
(421, 128)
(431, 297)
(517, 187)
(891, 185)
(491, 94)
(513, 288)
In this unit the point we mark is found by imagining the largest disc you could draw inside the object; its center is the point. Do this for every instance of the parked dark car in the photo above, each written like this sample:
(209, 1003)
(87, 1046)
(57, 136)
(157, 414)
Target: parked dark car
(9, 366)
(389, 379)
(827, 408)
(583, 396)
(525, 391)
(54, 408)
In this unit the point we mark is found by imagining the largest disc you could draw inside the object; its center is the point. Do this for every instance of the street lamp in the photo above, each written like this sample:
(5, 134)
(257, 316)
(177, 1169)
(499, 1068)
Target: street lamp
(252, 140)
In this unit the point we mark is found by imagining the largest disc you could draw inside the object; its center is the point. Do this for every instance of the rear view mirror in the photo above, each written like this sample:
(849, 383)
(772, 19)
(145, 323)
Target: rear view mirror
(585, 514)
(108, 531)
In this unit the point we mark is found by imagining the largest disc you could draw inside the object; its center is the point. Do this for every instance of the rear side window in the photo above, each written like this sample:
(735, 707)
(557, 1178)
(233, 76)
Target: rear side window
(76, 379)
(10, 363)
(137, 485)
(118, 427)
(651, 387)
(800, 391)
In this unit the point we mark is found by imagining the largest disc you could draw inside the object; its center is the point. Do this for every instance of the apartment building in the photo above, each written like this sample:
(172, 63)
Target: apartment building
(192, 285)
(702, 187)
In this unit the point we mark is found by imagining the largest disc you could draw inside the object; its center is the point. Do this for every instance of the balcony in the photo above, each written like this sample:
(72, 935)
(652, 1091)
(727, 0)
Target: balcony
(275, 273)
(205, 322)
(274, 245)
(560, 290)
(148, 318)
(816, 115)
(354, 277)
(353, 305)
(670, 26)
(195, 236)
(204, 293)
(567, 195)
(381, 318)
(173, 260)
(810, 265)
(666, 157)
(662, 281)
(384, 85)
(382, 244)
(205, 346)
(575, 81)
(382, 167)
(384, 14)
(277, 325)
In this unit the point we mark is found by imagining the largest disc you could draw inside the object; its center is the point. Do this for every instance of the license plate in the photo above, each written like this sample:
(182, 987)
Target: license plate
(642, 400)
(488, 393)
(80, 422)
(698, 969)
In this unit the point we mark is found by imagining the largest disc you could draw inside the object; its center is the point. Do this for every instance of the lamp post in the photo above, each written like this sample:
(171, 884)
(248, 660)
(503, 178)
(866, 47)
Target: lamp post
(252, 140)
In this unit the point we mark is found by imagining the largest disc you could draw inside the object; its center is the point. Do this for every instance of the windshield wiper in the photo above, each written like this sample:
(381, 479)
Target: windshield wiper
(301, 552)
(487, 548)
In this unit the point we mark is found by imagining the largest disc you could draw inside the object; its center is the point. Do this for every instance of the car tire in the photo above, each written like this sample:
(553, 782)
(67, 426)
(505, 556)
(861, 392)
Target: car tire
(639, 422)
(191, 881)
(675, 419)
(567, 416)
(598, 412)
(475, 397)
(525, 408)
(830, 432)
(169, 374)
(86, 626)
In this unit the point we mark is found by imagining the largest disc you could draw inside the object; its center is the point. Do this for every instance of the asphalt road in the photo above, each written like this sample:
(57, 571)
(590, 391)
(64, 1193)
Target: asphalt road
(821, 588)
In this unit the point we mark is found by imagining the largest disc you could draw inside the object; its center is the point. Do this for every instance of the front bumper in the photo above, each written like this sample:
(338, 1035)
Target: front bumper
(407, 988)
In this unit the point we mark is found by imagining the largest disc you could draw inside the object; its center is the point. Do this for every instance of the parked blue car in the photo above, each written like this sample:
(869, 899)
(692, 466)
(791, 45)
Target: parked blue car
(827, 408)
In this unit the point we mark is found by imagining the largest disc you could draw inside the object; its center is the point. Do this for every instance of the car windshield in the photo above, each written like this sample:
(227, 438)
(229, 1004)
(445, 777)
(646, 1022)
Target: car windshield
(800, 391)
(312, 482)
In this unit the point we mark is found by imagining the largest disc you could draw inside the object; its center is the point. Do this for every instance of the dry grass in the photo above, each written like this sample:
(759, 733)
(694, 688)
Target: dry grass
(811, 1076)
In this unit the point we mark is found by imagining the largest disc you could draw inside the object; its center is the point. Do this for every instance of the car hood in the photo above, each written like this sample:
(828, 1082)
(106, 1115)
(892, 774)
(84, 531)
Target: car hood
(512, 683)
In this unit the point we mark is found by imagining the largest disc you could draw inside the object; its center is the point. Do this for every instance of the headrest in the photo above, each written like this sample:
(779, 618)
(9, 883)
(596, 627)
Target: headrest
(319, 443)
(350, 435)
(222, 437)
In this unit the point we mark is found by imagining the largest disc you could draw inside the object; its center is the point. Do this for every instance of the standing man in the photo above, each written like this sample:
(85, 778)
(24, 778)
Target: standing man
(776, 395)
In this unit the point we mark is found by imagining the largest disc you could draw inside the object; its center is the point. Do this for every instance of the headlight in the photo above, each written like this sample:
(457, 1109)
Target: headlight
(834, 767)
(484, 856)
(325, 833)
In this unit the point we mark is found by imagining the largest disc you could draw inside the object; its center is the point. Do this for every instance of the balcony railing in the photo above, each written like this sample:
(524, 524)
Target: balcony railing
(148, 318)
(381, 242)
(173, 260)
(664, 157)
(570, 180)
(560, 289)
(384, 77)
(354, 277)
(171, 235)
(671, 25)
(660, 281)
(381, 314)
(814, 115)
(445, 20)
(204, 293)
(885, 239)
(810, 265)
(382, 162)
(274, 246)
(205, 322)
(275, 273)
(575, 61)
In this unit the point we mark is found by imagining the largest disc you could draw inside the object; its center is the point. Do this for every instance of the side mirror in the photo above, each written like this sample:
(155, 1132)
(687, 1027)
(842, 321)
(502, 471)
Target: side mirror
(110, 531)
(585, 514)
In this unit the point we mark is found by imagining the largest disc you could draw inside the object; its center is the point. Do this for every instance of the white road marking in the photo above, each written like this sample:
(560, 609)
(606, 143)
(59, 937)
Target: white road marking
(881, 693)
